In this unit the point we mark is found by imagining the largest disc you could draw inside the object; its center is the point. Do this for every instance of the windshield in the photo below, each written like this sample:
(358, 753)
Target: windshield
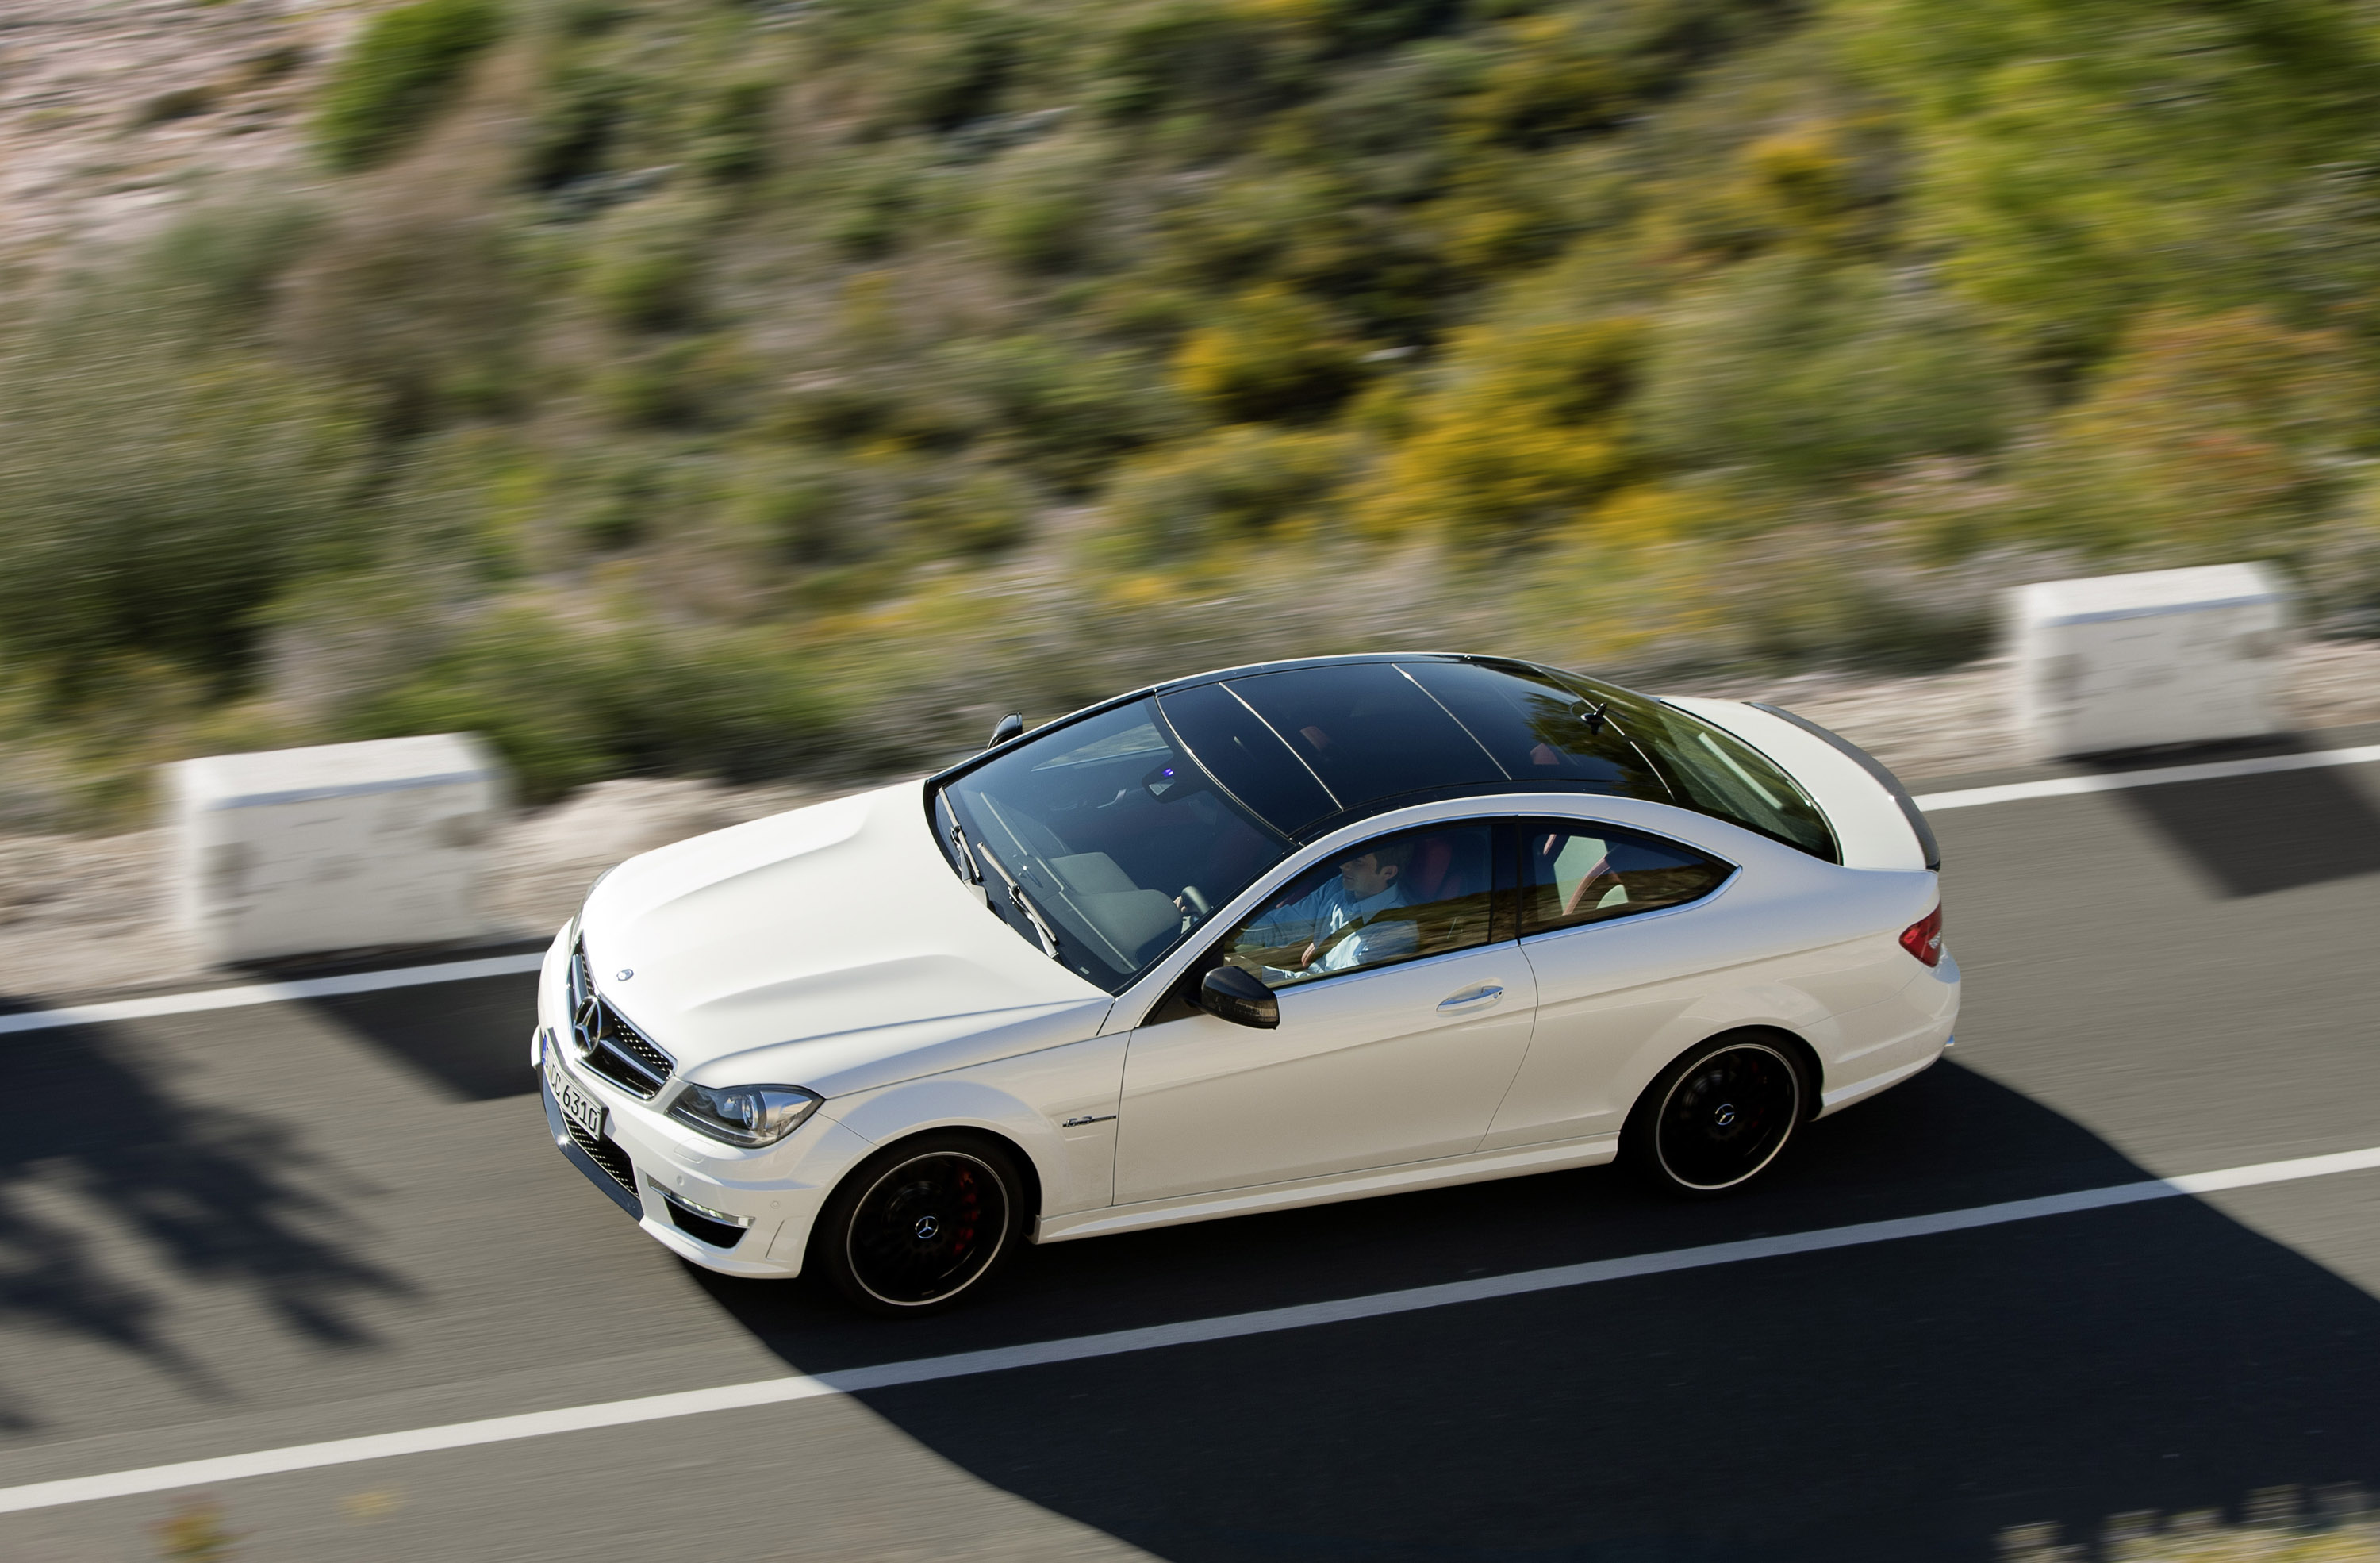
(1102, 841)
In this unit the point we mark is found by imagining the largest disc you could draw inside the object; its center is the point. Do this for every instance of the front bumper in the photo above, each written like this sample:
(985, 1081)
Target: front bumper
(740, 1212)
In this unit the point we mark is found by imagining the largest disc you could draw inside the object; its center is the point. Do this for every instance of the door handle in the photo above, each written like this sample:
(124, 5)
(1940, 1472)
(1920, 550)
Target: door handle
(1478, 997)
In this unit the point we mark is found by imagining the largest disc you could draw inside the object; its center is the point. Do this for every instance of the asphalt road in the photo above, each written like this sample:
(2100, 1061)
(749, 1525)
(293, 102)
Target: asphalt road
(254, 1227)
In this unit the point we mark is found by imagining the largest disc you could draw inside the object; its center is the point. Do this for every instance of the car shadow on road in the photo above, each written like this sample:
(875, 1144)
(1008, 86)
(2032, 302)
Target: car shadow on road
(2254, 835)
(1907, 1400)
(110, 1182)
(469, 1040)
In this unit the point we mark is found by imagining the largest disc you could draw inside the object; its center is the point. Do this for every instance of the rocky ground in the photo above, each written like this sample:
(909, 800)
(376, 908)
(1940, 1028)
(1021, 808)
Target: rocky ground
(81, 915)
(115, 111)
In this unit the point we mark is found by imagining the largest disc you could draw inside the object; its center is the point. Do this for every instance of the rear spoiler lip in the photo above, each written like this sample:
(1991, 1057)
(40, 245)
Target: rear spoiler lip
(1874, 767)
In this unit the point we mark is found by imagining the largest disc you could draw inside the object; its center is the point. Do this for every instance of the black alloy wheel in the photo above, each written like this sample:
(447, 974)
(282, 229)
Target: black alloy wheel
(1717, 1117)
(920, 1225)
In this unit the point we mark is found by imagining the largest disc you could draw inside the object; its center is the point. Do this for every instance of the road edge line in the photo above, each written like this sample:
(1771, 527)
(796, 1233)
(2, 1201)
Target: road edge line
(203, 999)
(2122, 781)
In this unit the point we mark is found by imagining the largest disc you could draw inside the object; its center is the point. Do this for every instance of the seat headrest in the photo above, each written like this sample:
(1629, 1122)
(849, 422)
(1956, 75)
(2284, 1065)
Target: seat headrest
(1425, 873)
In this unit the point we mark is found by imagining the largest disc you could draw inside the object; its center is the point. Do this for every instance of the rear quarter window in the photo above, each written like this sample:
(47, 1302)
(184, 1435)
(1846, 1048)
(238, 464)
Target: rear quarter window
(1574, 872)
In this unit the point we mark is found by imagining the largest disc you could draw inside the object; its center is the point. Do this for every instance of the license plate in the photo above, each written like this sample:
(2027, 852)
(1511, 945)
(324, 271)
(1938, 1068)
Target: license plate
(575, 1105)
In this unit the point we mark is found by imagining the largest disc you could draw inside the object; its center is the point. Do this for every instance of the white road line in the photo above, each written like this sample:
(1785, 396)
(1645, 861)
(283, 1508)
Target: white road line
(772, 1392)
(269, 993)
(2115, 781)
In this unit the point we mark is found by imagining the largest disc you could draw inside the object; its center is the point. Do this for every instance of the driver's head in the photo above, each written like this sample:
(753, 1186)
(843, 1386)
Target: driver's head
(1367, 875)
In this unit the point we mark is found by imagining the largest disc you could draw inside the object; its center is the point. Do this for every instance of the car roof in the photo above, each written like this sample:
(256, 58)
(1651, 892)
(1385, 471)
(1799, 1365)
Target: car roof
(1219, 675)
(1308, 743)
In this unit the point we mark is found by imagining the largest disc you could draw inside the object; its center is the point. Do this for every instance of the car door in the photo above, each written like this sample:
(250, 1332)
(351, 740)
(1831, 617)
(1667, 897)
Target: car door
(1616, 927)
(1401, 1028)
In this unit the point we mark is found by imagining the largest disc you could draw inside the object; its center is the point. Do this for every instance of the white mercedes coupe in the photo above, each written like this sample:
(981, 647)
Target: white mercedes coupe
(1269, 937)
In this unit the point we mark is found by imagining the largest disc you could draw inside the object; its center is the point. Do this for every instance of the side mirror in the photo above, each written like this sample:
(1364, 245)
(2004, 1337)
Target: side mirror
(1010, 726)
(1230, 993)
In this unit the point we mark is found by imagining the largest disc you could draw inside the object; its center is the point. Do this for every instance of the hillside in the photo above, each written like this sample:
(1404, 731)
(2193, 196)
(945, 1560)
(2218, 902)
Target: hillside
(758, 390)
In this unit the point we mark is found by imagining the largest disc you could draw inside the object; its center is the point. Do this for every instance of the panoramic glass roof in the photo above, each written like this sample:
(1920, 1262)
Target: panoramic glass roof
(1301, 744)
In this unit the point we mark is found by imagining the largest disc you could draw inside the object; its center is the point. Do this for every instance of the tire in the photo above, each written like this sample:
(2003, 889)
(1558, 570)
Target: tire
(921, 1225)
(1718, 1117)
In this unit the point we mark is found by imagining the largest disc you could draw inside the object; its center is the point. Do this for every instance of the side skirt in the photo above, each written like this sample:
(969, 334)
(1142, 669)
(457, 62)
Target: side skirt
(1513, 1163)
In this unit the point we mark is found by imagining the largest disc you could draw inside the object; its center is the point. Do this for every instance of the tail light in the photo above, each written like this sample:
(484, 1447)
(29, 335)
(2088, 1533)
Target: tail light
(1922, 937)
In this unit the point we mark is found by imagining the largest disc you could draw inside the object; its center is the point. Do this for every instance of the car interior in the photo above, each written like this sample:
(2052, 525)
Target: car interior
(1447, 876)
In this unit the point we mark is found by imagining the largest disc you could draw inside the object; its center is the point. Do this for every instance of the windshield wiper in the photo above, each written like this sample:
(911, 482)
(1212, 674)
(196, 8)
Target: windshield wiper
(1016, 894)
(967, 866)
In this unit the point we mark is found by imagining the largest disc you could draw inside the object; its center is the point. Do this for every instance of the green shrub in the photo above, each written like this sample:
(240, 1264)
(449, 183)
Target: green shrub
(2204, 438)
(647, 275)
(2080, 163)
(684, 383)
(801, 510)
(399, 73)
(580, 108)
(1523, 436)
(214, 269)
(568, 701)
(157, 502)
(1549, 80)
(1222, 60)
(974, 513)
(421, 305)
(731, 142)
(1063, 412)
(1038, 214)
(957, 61)
(1357, 25)
(869, 205)
(1808, 372)
(1271, 355)
(1239, 485)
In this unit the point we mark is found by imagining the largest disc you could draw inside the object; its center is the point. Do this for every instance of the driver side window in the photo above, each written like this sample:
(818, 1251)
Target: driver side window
(1395, 898)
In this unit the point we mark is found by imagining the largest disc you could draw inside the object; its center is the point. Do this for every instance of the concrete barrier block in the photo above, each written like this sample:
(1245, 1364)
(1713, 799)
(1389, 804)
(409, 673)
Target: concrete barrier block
(2162, 657)
(338, 847)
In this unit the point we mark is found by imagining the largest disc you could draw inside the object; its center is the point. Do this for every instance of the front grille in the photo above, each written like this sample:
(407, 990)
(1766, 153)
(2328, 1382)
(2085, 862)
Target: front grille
(605, 1154)
(634, 1043)
(607, 1042)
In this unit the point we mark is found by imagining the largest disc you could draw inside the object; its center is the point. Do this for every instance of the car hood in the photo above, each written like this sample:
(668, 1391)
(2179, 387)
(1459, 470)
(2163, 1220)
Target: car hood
(839, 927)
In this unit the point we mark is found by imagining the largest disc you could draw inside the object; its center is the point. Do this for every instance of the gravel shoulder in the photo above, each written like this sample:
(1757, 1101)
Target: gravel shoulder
(85, 914)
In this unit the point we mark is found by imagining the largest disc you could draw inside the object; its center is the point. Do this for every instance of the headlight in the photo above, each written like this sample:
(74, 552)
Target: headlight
(744, 1115)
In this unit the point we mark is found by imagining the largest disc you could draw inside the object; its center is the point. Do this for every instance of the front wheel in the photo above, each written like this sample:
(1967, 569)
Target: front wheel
(920, 1225)
(1718, 1117)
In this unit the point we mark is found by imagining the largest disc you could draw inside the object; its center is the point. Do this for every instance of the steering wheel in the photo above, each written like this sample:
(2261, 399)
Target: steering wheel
(1199, 908)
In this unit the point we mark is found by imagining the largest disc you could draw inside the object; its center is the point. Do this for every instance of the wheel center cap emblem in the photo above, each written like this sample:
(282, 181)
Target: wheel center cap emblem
(928, 1229)
(1726, 1114)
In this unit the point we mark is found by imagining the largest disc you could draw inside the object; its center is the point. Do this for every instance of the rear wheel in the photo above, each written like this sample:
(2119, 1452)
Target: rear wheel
(922, 1224)
(1718, 1117)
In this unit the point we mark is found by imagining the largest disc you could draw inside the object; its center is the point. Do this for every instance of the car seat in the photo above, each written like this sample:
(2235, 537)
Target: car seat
(1446, 881)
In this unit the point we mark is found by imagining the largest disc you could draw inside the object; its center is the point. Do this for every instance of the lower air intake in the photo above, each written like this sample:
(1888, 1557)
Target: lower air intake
(606, 1154)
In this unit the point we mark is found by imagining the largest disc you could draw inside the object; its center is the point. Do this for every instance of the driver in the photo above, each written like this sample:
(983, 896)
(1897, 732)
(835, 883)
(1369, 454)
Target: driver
(1336, 924)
